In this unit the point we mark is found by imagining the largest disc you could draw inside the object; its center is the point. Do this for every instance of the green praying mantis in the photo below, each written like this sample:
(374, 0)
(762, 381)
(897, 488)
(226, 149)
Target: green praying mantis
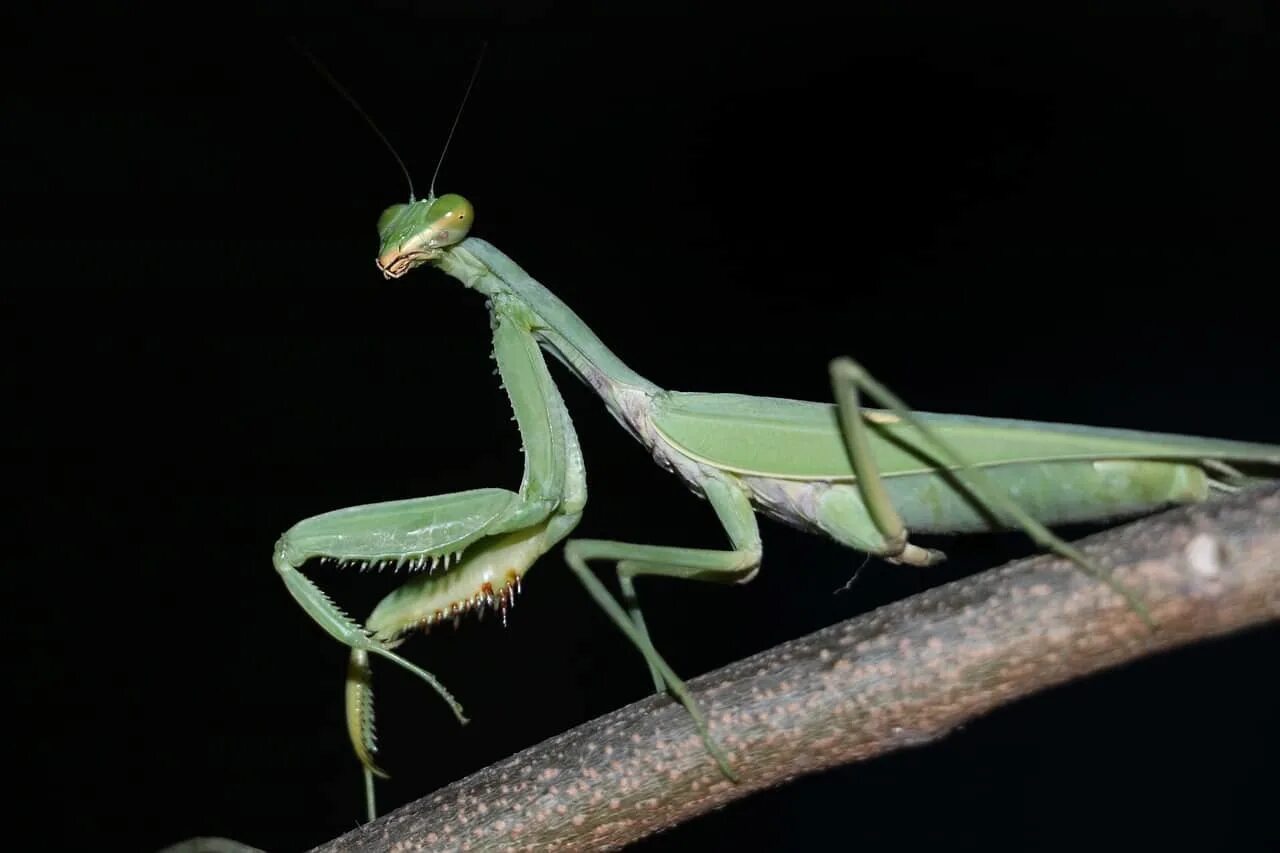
(864, 477)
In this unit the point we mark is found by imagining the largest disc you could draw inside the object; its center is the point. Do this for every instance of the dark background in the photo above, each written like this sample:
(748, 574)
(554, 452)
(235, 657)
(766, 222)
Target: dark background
(1058, 214)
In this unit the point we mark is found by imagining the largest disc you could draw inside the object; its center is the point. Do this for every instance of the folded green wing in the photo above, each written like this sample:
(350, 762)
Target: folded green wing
(775, 437)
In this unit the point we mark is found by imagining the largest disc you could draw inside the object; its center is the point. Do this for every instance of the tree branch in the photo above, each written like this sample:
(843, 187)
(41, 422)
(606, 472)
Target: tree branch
(899, 676)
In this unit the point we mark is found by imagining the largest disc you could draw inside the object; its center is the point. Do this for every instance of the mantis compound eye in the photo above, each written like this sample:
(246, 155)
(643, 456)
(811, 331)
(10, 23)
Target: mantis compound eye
(449, 218)
(389, 216)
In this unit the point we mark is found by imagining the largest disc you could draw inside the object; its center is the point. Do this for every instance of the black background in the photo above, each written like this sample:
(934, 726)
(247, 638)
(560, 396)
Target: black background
(1058, 214)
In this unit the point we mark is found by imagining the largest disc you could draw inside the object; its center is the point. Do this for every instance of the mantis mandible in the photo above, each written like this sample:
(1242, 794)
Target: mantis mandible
(866, 478)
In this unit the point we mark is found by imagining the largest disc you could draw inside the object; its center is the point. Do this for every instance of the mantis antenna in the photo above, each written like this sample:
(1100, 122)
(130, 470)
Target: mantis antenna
(347, 96)
(350, 99)
(475, 72)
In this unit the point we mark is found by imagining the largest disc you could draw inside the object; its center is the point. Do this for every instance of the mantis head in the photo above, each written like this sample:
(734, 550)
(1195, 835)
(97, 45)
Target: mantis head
(418, 232)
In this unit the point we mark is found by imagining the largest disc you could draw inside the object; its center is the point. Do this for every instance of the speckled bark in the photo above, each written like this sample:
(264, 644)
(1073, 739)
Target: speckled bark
(899, 676)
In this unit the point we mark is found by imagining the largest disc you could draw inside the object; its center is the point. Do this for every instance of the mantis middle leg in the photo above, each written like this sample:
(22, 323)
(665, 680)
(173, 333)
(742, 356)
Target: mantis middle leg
(739, 565)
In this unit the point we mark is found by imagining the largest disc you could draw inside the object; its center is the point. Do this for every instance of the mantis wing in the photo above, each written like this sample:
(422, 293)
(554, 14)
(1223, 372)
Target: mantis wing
(794, 439)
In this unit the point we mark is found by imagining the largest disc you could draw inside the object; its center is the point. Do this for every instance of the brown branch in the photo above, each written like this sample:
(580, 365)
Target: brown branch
(899, 676)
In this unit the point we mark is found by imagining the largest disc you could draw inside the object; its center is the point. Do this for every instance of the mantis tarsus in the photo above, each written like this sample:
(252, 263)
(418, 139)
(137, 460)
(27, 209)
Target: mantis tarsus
(863, 477)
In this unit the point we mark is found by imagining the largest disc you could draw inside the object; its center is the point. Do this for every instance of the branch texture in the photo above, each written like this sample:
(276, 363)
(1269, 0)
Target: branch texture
(902, 675)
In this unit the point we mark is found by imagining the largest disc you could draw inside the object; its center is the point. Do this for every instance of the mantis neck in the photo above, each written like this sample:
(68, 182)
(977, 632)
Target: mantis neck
(479, 265)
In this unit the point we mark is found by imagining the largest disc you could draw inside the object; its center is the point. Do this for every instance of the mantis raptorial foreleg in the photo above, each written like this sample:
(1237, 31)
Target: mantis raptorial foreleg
(484, 540)
(345, 629)
(736, 566)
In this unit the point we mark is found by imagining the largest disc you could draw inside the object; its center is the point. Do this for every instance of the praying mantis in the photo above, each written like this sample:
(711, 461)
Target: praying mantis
(867, 478)
(863, 477)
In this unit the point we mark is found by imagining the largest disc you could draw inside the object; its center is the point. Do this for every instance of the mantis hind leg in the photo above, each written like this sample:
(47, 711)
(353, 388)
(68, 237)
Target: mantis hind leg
(734, 566)
(847, 378)
(873, 525)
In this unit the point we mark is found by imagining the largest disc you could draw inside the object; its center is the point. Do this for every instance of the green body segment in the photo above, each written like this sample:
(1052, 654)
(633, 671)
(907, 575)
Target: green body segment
(1056, 492)
(1060, 473)
(480, 265)
(794, 439)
